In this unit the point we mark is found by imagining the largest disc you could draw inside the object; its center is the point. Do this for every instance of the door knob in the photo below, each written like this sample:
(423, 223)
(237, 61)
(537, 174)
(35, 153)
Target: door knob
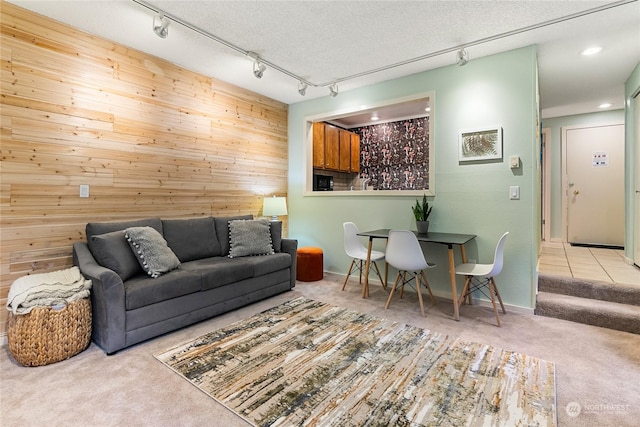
(576, 192)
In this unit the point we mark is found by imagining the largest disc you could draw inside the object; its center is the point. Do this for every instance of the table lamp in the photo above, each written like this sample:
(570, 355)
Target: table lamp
(274, 206)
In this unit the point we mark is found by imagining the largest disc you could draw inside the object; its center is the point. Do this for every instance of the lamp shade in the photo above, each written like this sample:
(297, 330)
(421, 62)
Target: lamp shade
(274, 207)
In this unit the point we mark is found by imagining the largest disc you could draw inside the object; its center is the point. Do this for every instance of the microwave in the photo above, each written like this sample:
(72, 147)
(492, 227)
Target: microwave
(322, 183)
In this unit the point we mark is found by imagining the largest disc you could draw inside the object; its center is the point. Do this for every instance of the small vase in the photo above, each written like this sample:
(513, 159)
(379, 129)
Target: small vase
(423, 227)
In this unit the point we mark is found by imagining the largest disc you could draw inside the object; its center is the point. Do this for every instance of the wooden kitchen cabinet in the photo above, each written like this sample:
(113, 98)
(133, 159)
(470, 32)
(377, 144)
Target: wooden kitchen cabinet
(318, 145)
(345, 151)
(333, 148)
(355, 153)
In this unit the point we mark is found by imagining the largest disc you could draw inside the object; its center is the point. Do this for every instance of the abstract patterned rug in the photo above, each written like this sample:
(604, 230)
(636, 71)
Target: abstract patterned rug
(309, 363)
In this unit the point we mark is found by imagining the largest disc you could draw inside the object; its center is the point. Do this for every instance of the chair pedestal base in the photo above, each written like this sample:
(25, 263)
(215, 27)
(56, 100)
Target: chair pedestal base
(420, 279)
(360, 266)
(471, 286)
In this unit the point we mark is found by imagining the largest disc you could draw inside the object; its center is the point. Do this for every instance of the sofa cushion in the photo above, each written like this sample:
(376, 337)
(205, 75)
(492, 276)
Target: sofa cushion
(152, 251)
(141, 290)
(192, 238)
(276, 235)
(222, 231)
(265, 264)
(249, 237)
(219, 271)
(94, 228)
(111, 250)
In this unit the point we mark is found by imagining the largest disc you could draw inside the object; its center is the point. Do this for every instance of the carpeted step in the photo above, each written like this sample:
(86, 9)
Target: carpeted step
(592, 289)
(612, 315)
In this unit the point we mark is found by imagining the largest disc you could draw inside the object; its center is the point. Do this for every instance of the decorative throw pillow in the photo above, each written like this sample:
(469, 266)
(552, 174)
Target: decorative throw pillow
(249, 237)
(222, 231)
(152, 251)
(111, 250)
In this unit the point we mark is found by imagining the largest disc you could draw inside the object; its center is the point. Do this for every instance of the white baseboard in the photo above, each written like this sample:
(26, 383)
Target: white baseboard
(481, 302)
(447, 297)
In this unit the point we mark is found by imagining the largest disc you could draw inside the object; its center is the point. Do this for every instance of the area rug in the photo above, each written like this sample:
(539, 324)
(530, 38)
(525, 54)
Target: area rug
(307, 363)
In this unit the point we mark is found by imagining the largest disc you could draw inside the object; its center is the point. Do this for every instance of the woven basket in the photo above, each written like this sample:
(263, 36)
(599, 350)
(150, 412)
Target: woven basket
(45, 335)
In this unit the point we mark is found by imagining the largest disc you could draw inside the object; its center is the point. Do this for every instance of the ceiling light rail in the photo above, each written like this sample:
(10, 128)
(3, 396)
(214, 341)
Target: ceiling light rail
(333, 83)
(481, 41)
(221, 41)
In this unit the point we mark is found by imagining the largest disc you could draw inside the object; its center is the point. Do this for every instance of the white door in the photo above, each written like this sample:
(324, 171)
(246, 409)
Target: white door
(636, 203)
(595, 185)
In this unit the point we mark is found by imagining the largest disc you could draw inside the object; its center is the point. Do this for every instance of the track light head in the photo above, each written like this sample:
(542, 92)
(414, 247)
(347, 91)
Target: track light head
(302, 88)
(258, 69)
(161, 26)
(462, 57)
(333, 90)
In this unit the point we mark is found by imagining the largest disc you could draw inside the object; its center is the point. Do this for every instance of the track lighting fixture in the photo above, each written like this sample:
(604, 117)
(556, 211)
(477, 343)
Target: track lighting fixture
(161, 26)
(462, 57)
(302, 88)
(258, 69)
(333, 90)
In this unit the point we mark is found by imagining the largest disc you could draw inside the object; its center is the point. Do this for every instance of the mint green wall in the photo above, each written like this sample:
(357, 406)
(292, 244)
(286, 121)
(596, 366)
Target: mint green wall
(470, 198)
(555, 153)
(631, 88)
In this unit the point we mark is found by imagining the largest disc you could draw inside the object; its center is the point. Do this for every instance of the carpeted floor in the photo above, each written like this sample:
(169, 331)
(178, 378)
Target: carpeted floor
(308, 363)
(597, 369)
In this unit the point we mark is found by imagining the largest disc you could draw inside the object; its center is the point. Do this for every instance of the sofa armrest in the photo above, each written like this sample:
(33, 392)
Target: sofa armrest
(107, 299)
(290, 246)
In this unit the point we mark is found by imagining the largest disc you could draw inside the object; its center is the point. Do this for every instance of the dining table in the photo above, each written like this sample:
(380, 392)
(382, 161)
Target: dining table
(448, 239)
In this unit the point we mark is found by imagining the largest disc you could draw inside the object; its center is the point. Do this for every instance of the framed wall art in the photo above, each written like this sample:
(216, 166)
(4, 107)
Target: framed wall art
(480, 144)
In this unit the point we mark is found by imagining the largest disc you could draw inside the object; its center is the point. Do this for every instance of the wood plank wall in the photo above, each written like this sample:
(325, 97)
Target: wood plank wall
(150, 138)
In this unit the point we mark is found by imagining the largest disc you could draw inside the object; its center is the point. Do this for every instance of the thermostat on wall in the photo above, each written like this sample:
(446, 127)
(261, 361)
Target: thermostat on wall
(514, 162)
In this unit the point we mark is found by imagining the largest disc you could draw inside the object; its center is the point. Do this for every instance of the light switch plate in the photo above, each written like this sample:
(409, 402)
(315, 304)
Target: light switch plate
(514, 192)
(84, 190)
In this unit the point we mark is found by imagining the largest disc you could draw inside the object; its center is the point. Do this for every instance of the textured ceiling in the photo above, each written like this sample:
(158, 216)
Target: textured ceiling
(325, 41)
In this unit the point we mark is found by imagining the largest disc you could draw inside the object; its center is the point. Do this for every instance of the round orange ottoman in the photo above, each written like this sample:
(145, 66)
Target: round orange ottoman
(309, 266)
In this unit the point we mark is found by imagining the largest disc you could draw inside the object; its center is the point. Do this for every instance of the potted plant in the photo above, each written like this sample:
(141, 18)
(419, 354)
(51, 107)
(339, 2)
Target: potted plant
(421, 212)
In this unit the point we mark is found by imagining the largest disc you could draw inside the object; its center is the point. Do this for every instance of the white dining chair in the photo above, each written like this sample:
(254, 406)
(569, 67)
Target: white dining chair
(405, 254)
(481, 276)
(358, 252)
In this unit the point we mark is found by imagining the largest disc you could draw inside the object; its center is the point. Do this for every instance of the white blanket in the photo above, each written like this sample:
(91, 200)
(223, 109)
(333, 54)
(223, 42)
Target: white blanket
(47, 289)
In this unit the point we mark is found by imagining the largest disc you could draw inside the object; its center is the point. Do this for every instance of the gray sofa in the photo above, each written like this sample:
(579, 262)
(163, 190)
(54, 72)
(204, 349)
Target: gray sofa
(130, 306)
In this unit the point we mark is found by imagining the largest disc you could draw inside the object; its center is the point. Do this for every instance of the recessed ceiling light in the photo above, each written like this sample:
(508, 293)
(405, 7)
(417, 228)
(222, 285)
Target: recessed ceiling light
(427, 109)
(605, 105)
(591, 50)
(374, 116)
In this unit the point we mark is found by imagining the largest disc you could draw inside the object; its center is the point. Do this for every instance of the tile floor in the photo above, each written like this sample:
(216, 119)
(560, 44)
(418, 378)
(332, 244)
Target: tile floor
(607, 265)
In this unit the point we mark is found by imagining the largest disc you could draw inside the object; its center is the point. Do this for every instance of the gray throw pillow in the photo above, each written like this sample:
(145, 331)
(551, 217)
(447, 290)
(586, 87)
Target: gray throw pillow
(222, 231)
(112, 251)
(155, 257)
(249, 237)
